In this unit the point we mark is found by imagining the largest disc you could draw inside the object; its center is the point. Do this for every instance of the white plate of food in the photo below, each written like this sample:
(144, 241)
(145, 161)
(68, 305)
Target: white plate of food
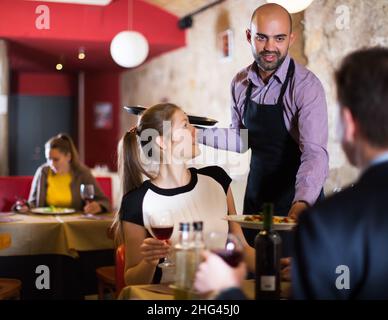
(255, 221)
(7, 214)
(52, 210)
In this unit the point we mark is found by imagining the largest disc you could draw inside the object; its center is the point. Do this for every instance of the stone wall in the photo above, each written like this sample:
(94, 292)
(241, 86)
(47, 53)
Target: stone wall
(332, 30)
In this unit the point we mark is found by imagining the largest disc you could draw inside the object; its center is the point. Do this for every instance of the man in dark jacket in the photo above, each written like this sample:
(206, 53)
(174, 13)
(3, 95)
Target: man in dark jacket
(340, 244)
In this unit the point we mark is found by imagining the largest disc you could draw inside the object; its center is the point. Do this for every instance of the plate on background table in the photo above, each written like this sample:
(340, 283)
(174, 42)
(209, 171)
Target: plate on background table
(52, 210)
(201, 121)
(7, 214)
(255, 221)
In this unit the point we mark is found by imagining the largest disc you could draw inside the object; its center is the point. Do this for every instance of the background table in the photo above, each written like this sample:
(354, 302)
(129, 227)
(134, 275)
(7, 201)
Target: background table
(71, 246)
(61, 234)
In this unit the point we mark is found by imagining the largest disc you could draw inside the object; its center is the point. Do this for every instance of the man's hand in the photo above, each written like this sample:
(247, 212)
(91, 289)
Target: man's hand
(215, 275)
(285, 272)
(296, 209)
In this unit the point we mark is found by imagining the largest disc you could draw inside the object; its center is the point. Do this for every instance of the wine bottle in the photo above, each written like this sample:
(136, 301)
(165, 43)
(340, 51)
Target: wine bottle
(184, 261)
(198, 245)
(268, 252)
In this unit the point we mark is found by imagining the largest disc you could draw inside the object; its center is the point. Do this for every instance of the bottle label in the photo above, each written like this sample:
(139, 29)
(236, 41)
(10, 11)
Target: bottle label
(267, 283)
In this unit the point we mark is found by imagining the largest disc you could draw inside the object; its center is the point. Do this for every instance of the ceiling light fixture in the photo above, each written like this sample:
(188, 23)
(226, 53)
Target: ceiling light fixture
(59, 66)
(129, 48)
(81, 54)
(187, 21)
(292, 6)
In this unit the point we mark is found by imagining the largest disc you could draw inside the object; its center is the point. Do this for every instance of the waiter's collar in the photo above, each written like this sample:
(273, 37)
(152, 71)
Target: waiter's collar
(279, 75)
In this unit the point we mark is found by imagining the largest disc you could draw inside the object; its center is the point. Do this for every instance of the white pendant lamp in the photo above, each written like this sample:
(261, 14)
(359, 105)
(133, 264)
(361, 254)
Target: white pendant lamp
(292, 6)
(129, 48)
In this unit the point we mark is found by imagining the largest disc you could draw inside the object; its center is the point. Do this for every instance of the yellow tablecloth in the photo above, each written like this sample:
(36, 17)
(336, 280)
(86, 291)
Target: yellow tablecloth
(164, 292)
(62, 234)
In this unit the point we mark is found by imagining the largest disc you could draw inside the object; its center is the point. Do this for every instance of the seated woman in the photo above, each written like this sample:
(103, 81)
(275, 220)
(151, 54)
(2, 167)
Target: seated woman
(165, 137)
(57, 182)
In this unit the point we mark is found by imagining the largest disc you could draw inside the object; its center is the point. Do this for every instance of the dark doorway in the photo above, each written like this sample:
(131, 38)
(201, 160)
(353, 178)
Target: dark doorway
(32, 121)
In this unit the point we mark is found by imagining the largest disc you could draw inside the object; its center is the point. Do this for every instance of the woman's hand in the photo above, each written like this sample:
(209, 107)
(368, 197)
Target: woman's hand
(153, 249)
(23, 209)
(92, 207)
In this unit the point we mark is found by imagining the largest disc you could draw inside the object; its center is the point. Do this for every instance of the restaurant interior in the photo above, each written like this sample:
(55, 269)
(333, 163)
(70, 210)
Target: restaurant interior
(71, 66)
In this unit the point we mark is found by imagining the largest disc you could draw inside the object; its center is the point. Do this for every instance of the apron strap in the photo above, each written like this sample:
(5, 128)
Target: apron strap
(248, 94)
(290, 74)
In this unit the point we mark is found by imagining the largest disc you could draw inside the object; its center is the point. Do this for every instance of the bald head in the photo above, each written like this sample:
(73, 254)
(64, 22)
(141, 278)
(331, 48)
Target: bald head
(272, 12)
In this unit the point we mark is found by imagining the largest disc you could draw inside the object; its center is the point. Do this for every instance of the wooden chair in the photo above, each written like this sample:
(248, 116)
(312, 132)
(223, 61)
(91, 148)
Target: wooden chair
(111, 278)
(9, 288)
(5, 240)
(106, 277)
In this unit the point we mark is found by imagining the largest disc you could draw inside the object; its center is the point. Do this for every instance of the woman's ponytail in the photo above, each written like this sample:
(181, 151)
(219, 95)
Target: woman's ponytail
(129, 164)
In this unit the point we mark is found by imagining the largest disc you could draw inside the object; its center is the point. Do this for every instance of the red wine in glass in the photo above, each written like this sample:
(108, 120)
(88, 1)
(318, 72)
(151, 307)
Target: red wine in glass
(162, 232)
(231, 257)
(162, 226)
(87, 192)
(226, 246)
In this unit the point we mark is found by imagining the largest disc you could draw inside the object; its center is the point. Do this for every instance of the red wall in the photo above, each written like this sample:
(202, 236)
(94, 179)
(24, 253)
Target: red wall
(101, 144)
(43, 84)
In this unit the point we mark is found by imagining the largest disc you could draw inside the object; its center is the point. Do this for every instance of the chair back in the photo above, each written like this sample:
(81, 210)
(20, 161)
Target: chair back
(12, 188)
(5, 240)
(120, 265)
(105, 184)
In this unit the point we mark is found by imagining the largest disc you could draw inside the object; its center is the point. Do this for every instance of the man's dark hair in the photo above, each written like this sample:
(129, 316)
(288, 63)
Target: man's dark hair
(362, 86)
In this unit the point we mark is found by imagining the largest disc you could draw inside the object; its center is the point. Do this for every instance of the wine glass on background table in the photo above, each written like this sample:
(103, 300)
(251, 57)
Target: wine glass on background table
(87, 192)
(162, 226)
(87, 195)
(228, 247)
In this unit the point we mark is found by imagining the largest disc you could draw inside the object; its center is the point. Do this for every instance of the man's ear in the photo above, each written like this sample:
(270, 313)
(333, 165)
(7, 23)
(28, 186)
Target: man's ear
(292, 39)
(350, 126)
(160, 142)
(248, 35)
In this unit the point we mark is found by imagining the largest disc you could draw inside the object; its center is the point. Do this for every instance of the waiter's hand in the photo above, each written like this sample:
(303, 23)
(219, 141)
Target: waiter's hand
(296, 209)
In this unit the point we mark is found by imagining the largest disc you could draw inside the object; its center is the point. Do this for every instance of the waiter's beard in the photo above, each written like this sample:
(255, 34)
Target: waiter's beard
(269, 66)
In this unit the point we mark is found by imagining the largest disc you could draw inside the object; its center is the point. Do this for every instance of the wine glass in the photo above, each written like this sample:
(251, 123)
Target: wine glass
(228, 247)
(87, 192)
(162, 226)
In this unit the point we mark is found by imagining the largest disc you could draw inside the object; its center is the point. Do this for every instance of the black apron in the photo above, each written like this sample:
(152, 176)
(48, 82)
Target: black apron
(275, 156)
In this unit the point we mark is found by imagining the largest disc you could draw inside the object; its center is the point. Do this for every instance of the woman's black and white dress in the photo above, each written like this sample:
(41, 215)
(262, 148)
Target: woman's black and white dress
(202, 199)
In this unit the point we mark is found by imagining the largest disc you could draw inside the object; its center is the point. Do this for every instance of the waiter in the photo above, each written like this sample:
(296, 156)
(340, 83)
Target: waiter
(283, 106)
